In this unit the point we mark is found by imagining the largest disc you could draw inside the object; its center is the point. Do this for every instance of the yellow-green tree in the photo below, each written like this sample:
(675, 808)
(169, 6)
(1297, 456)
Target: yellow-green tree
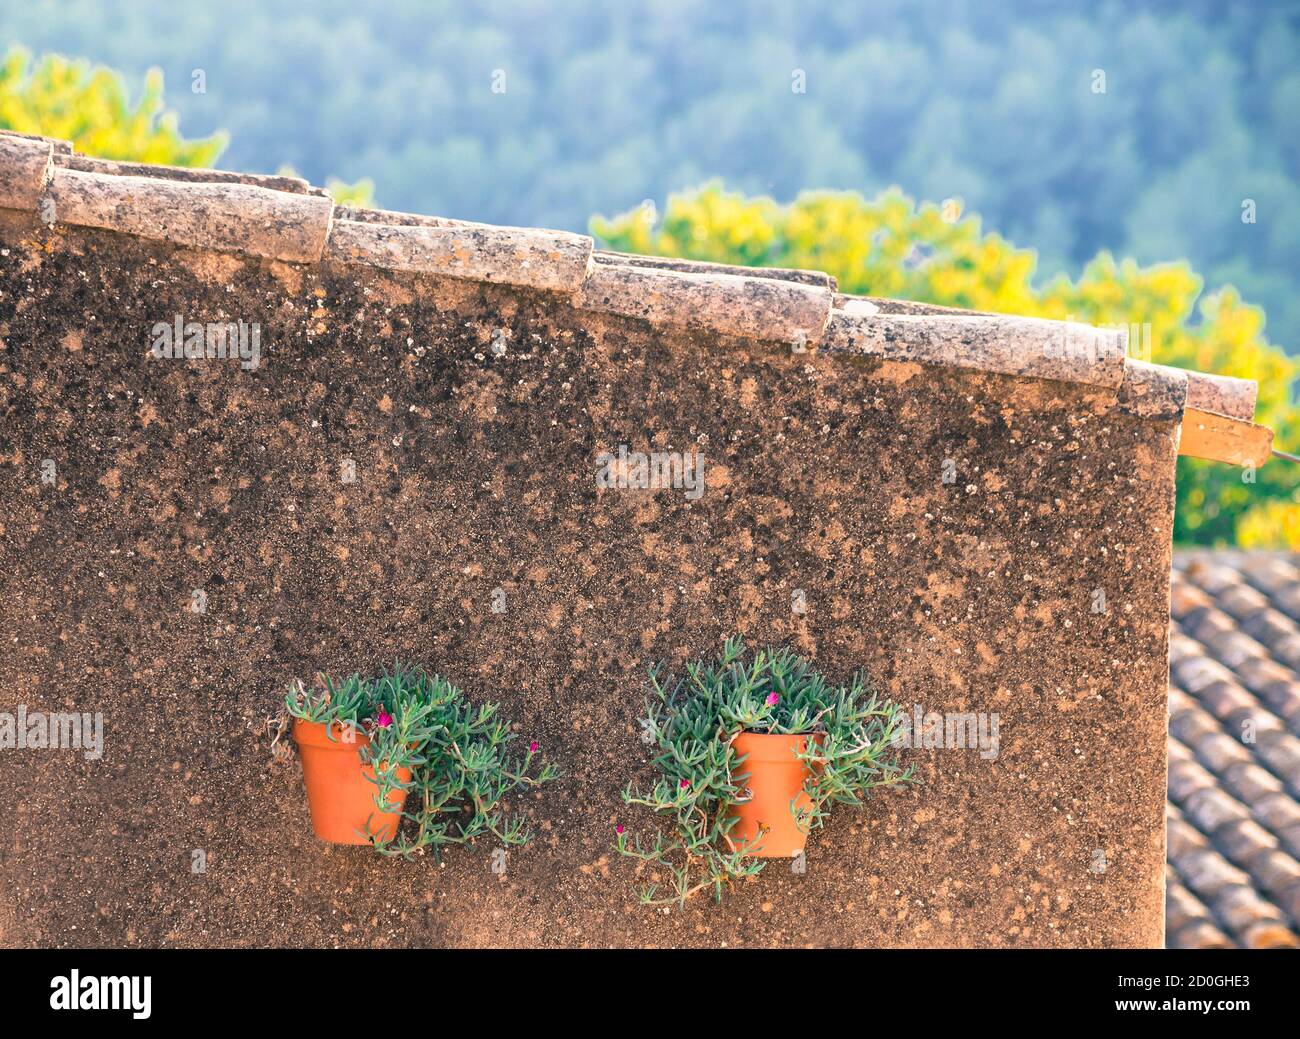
(890, 246)
(91, 107)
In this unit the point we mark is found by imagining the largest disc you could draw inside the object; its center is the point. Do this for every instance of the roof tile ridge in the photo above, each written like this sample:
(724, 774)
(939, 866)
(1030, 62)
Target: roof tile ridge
(285, 218)
(223, 216)
(194, 174)
(1006, 344)
(787, 306)
(554, 261)
(855, 303)
(1221, 394)
(193, 208)
(734, 302)
(1068, 351)
(205, 209)
(693, 266)
(26, 165)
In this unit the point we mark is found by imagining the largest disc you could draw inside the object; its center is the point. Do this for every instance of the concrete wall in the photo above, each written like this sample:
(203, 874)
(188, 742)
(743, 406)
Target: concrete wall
(475, 472)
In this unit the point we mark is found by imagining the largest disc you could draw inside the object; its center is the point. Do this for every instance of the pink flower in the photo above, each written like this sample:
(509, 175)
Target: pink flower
(618, 828)
(684, 783)
(773, 699)
(383, 719)
(532, 747)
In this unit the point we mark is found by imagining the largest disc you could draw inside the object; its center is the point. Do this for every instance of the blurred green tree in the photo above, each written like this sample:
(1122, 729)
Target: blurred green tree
(890, 246)
(607, 104)
(91, 107)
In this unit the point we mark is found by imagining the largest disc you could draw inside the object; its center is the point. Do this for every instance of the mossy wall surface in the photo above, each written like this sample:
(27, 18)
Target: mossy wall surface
(476, 471)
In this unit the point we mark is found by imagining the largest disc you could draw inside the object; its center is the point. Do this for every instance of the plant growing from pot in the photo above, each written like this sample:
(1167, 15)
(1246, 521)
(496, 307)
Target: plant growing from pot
(752, 752)
(371, 745)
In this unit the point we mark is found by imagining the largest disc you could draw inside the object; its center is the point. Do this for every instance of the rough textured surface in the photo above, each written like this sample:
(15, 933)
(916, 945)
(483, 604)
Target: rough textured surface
(674, 263)
(881, 305)
(284, 218)
(476, 471)
(275, 182)
(556, 261)
(25, 165)
(278, 225)
(1062, 350)
(1152, 390)
(1222, 394)
(1234, 752)
(766, 308)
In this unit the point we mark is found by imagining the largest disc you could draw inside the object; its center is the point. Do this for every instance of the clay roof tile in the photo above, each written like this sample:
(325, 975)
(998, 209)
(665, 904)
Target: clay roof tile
(1233, 835)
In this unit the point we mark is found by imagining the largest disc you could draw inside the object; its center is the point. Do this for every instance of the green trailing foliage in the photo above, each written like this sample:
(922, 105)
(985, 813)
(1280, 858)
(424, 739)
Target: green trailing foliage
(693, 722)
(458, 753)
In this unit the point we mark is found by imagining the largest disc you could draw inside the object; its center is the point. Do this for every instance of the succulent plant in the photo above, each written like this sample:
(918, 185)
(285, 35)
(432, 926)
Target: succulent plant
(457, 752)
(693, 721)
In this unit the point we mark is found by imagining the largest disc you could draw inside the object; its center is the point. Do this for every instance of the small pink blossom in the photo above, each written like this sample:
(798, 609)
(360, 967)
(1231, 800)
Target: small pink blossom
(383, 719)
(532, 747)
(773, 699)
(618, 828)
(684, 783)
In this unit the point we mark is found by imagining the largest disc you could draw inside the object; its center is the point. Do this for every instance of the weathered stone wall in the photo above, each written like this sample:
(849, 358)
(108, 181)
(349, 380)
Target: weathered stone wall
(476, 472)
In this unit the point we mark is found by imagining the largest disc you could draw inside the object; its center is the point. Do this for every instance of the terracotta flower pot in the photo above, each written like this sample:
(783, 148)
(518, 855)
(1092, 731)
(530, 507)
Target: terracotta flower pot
(340, 791)
(776, 777)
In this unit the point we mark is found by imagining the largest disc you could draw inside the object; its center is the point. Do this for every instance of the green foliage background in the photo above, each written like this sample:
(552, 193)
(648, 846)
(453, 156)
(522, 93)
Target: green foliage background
(992, 104)
(609, 104)
(890, 246)
(91, 107)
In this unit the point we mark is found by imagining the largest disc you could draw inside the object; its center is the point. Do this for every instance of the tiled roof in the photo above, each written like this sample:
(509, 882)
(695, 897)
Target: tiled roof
(284, 219)
(1234, 751)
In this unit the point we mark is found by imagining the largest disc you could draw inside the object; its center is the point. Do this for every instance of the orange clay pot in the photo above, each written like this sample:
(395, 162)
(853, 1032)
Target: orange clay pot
(776, 777)
(340, 792)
